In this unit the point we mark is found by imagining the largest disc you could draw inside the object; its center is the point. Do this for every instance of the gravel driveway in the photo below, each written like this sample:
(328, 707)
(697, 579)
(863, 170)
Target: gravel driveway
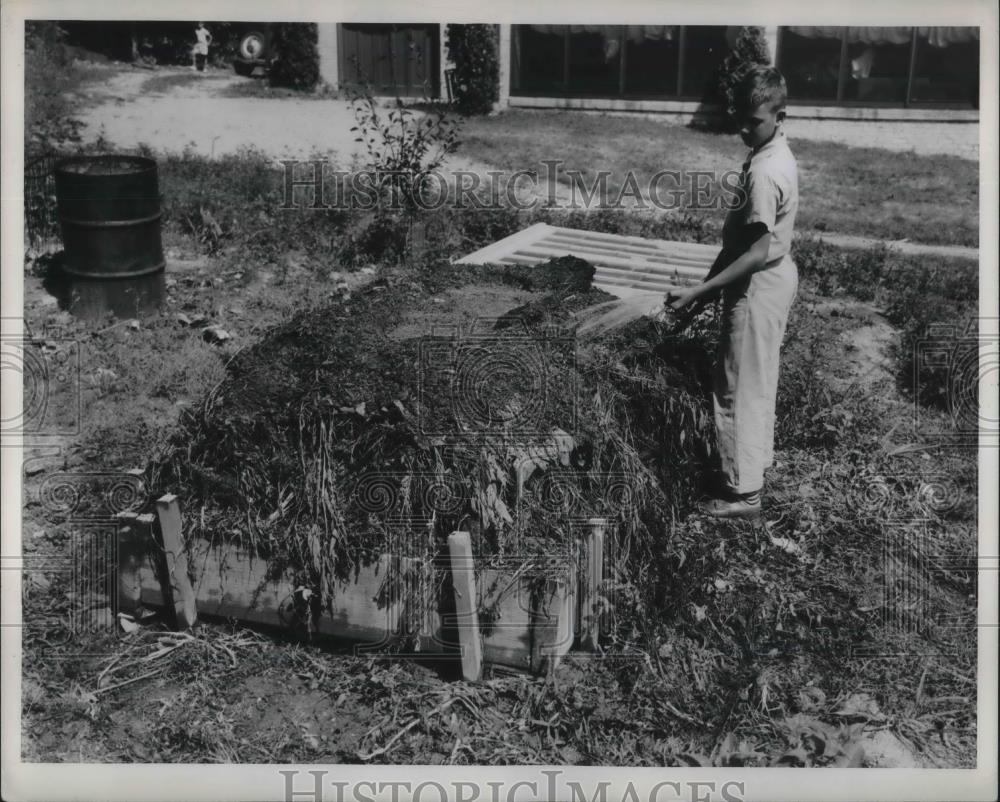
(128, 109)
(171, 109)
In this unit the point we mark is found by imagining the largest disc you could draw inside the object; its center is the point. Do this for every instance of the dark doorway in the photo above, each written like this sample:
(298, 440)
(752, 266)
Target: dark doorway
(397, 60)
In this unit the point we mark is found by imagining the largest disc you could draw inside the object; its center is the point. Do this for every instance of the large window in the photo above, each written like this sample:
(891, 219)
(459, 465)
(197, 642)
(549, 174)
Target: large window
(594, 62)
(810, 64)
(946, 72)
(651, 61)
(704, 48)
(539, 58)
(629, 61)
(875, 66)
(864, 66)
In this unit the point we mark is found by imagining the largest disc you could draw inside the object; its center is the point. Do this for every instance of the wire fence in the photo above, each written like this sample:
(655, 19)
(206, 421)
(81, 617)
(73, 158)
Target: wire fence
(41, 222)
(41, 218)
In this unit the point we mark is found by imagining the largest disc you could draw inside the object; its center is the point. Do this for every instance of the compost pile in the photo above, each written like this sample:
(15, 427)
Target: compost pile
(335, 439)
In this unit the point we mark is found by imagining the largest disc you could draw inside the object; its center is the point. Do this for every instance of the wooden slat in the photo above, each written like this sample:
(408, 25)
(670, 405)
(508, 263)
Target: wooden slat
(492, 253)
(606, 272)
(655, 254)
(641, 284)
(507, 639)
(611, 281)
(591, 582)
(463, 574)
(533, 625)
(606, 279)
(618, 239)
(695, 249)
(664, 273)
(612, 284)
(554, 637)
(366, 608)
(231, 583)
(168, 511)
(540, 252)
(624, 265)
(370, 604)
(625, 260)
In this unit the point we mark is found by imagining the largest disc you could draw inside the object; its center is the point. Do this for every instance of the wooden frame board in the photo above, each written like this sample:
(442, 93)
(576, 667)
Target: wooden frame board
(624, 265)
(533, 623)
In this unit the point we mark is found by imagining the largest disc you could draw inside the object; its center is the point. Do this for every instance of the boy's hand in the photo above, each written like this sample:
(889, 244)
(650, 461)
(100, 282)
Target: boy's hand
(677, 298)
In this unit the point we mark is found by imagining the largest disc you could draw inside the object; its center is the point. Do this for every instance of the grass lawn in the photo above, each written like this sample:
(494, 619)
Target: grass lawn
(859, 191)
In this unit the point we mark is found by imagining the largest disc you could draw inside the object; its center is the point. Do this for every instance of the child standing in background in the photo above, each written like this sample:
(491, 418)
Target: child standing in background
(200, 52)
(758, 281)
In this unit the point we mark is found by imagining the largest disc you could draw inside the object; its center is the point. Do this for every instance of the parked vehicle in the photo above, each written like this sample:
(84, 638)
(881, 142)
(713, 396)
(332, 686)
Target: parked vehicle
(254, 52)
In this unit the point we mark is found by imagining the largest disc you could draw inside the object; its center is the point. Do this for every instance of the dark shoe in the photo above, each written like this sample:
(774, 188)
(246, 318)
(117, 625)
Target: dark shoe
(737, 507)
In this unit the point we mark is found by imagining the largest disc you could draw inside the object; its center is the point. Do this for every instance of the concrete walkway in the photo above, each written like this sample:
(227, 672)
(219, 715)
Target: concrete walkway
(903, 246)
(923, 138)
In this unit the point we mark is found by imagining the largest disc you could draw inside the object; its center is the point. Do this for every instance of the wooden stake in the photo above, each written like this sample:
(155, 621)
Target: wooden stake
(591, 583)
(126, 583)
(463, 575)
(168, 511)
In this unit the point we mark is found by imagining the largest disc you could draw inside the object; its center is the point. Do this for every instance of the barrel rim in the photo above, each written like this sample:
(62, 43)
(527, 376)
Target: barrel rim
(76, 272)
(144, 164)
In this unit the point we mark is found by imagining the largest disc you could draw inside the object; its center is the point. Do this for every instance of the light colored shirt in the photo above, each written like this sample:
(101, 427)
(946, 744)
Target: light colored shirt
(770, 189)
(204, 37)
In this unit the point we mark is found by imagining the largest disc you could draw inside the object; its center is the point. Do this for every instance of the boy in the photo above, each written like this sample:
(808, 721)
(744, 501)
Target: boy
(758, 281)
(200, 51)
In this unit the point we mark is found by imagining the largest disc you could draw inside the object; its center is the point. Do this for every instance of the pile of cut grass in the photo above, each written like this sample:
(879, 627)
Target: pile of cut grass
(332, 429)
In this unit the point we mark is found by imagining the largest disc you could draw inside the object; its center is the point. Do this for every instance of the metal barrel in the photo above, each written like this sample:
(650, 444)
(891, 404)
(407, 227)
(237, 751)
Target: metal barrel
(109, 213)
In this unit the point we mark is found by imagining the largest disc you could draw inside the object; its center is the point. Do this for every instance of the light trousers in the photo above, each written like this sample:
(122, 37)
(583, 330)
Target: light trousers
(755, 314)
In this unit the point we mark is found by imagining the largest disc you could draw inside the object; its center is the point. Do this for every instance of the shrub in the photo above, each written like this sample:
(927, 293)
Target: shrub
(296, 63)
(473, 50)
(749, 50)
(404, 149)
(48, 124)
(377, 238)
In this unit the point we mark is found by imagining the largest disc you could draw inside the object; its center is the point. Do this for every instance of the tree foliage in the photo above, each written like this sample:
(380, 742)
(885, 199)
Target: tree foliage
(749, 50)
(474, 51)
(296, 64)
